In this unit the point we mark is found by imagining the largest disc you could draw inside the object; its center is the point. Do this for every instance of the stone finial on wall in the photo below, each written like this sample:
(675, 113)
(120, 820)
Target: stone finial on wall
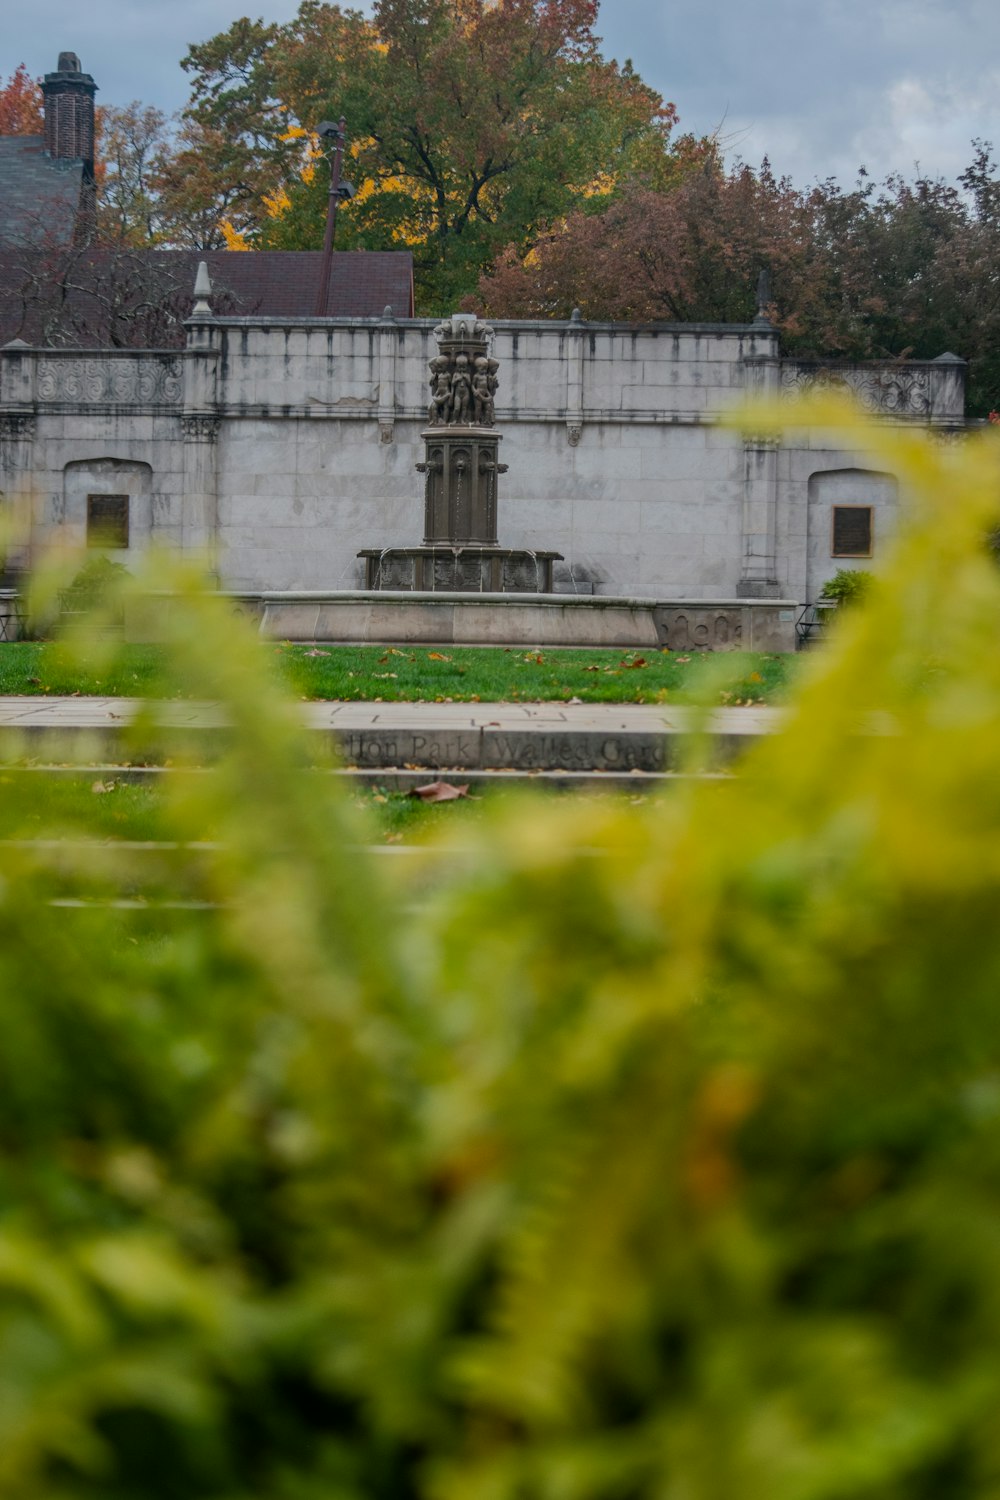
(202, 292)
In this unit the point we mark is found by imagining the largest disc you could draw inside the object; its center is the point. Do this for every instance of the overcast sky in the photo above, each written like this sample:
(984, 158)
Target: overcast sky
(819, 88)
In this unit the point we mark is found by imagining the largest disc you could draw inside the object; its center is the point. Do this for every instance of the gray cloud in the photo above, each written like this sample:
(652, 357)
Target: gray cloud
(823, 89)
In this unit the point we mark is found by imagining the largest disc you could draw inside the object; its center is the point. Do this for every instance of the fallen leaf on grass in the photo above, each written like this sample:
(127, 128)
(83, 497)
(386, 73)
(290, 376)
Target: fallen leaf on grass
(594, 669)
(437, 656)
(755, 677)
(315, 653)
(439, 791)
(97, 787)
(639, 661)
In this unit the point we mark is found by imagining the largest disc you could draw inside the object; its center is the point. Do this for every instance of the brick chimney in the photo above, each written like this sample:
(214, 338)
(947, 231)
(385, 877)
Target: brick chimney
(69, 113)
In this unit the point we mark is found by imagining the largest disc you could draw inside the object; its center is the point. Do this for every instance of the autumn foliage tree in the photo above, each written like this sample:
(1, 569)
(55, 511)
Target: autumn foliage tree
(133, 144)
(691, 254)
(21, 104)
(901, 269)
(471, 123)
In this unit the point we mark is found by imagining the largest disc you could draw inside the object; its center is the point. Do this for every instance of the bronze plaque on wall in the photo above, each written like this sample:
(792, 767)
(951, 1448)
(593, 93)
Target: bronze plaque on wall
(852, 531)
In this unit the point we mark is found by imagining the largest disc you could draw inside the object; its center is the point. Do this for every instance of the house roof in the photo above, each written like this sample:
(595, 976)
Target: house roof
(101, 297)
(285, 283)
(40, 195)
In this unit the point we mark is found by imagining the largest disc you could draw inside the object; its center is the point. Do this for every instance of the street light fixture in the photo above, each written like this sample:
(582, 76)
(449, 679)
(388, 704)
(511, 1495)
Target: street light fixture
(340, 192)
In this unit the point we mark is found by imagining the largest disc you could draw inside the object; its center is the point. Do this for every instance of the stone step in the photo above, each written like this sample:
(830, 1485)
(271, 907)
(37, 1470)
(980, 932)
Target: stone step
(615, 739)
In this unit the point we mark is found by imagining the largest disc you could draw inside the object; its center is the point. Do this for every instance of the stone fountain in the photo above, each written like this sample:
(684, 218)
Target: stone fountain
(460, 551)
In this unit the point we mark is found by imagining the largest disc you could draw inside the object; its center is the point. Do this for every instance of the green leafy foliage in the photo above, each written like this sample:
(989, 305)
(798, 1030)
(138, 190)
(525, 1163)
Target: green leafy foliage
(96, 581)
(901, 269)
(848, 585)
(626, 1153)
(471, 124)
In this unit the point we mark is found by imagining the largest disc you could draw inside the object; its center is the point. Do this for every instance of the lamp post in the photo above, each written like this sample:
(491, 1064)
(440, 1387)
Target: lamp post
(340, 192)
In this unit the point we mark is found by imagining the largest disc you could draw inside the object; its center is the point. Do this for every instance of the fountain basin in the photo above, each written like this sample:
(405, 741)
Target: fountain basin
(463, 569)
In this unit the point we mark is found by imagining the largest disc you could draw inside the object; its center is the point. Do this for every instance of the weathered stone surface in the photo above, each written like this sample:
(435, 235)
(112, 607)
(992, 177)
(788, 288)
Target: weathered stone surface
(268, 443)
(561, 620)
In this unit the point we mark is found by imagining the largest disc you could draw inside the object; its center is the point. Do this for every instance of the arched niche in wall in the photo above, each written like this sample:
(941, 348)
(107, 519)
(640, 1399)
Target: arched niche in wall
(107, 505)
(851, 515)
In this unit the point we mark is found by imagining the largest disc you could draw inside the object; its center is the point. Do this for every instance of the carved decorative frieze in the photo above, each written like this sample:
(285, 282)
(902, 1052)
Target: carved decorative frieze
(888, 390)
(138, 381)
(574, 432)
(17, 425)
(204, 429)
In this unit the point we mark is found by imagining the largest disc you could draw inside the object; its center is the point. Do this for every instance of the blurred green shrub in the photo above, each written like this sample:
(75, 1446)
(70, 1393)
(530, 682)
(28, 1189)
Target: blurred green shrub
(848, 585)
(631, 1154)
(98, 580)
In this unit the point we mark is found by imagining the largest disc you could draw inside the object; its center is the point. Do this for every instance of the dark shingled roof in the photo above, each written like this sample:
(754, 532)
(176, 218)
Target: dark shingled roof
(285, 283)
(39, 196)
(92, 297)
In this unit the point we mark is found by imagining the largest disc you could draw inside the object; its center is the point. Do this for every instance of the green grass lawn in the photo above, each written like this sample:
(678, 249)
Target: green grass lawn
(466, 674)
(43, 805)
(36, 804)
(46, 805)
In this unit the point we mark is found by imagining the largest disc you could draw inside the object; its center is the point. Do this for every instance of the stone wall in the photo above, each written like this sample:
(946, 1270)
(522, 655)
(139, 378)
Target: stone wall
(287, 448)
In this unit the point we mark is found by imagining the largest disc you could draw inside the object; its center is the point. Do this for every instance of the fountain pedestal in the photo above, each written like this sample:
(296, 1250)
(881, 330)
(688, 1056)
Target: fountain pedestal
(460, 486)
(461, 468)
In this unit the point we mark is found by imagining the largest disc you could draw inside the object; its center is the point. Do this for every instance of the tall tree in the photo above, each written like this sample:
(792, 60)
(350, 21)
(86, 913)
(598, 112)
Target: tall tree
(472, 123)
(133, 144)
(209, 188)
(691, 253)
(21, 104)
(902, 269)
(234, 147)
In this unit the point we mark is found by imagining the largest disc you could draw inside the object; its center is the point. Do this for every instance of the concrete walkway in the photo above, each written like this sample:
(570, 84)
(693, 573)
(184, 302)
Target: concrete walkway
(582, 738)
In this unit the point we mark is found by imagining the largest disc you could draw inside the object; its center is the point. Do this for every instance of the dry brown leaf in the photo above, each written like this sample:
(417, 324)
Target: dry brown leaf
(439, 791)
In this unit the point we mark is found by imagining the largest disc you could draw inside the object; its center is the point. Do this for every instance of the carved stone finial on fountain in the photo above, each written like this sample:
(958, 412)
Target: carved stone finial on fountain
(463, 374)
